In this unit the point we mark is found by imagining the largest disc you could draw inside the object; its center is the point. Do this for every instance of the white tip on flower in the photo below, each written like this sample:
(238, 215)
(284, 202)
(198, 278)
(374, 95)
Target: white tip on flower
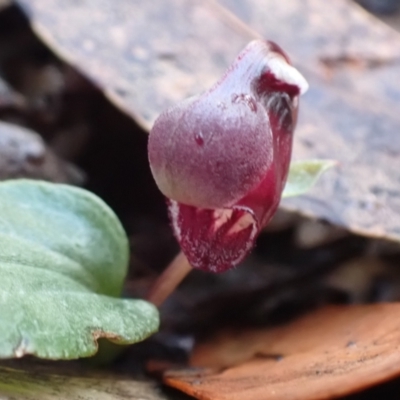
(287, 73)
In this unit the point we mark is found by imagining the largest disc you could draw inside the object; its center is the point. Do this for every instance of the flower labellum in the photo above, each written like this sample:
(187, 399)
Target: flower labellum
(222, 158)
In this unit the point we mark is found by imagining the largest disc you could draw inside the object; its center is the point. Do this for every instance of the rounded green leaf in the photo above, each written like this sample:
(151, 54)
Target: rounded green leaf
(63, 260)
(303, 175)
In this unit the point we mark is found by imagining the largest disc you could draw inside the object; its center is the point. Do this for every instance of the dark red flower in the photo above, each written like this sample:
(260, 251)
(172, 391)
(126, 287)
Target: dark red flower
(222, 158)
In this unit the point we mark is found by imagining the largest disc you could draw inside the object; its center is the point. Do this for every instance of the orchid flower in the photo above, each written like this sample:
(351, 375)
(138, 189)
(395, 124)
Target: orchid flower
(222, 158)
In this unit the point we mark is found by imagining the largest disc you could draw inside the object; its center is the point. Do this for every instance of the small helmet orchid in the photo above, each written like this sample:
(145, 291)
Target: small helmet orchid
(222, 158)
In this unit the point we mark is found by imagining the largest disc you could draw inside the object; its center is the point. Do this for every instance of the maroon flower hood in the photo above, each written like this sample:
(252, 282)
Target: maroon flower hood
(222, 158)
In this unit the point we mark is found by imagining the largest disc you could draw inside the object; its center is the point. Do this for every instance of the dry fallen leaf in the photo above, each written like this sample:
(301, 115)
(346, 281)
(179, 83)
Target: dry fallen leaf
(157, 53)
(328, 353)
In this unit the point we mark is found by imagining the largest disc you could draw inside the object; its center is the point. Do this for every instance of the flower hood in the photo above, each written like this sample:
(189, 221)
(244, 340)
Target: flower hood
(222, 158)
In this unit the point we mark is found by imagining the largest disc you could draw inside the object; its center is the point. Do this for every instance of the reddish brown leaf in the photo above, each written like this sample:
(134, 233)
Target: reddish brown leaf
(329, 353)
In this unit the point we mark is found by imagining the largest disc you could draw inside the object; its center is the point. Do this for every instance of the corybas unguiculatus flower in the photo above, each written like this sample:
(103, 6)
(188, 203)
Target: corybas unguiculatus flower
(222, 158)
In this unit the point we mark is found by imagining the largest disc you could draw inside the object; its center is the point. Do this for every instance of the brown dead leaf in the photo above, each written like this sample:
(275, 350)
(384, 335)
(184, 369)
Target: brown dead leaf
(144, 55)
(328, 353)
(148, 55)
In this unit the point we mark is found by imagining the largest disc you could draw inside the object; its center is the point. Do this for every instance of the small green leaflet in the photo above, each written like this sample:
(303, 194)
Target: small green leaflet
(303, 175)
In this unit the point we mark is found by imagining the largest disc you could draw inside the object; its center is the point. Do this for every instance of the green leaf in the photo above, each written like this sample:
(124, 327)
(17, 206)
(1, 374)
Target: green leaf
(63, 260)
(304, 174)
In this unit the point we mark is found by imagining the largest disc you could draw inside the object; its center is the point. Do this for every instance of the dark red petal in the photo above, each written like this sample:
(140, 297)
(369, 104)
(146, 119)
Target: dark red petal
(263, 200)
(213, 240)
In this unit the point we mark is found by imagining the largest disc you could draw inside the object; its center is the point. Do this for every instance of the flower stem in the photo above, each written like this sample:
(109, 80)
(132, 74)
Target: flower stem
(167, 282)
